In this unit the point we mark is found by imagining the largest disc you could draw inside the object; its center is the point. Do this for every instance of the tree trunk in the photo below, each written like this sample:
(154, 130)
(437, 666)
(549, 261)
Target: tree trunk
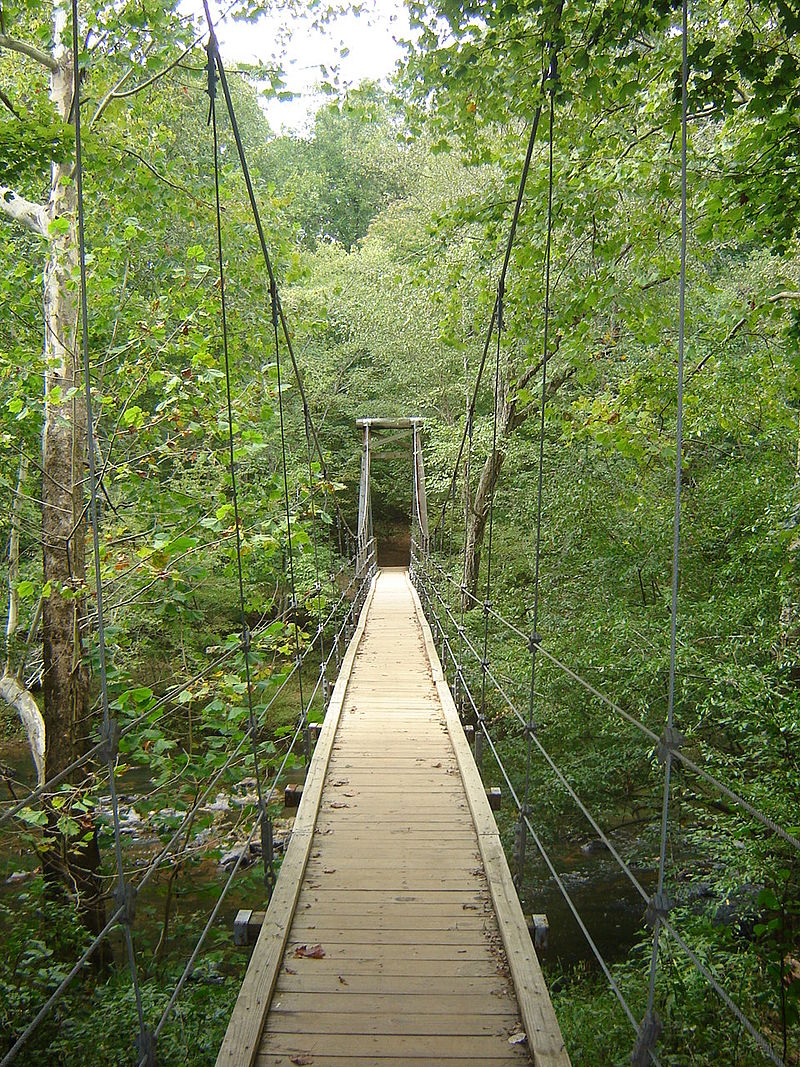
(65, 682)
(479, 515)
(12, 688)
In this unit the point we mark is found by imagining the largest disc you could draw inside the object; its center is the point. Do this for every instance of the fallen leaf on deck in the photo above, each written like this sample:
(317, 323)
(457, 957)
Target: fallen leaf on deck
(339, 804)
(517, 1039)
(309, 952)
(302, 1060)
(343, 980)
(329, 870)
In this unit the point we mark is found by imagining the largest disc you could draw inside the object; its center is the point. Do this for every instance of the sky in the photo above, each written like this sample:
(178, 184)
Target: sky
(312, 56)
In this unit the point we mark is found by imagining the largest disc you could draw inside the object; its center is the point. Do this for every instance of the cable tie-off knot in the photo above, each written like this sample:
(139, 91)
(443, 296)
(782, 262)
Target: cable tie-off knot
(658, 908)
(649, 1033)
(211, 72)
(670, 742)
(109, 740)
(487, 607)
(534, 641)
(247, 639)
(146, 1049)
(125, 899)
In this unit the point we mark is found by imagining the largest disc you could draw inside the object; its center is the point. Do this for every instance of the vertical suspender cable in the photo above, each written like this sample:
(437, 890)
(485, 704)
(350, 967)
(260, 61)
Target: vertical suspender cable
(252, 724)
(487, 604)
(317, 584)
(124, 892)
(534, 641)
(651, 1026)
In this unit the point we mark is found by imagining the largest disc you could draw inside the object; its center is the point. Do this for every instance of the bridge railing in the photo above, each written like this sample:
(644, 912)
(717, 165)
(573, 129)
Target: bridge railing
(500, 707)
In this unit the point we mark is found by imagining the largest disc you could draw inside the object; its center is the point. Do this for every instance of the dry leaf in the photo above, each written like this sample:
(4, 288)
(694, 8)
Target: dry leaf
(290, 970)
(517, 1039)
(302, 1060)
(309, 952)
(343, 980)
(329, 870)
(339, 804)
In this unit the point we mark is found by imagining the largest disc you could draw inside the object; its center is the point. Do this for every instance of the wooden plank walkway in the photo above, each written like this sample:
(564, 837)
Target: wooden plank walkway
(394, 935)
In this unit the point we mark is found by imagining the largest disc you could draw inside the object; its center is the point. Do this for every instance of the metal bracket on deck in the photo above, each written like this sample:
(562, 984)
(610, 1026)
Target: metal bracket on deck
(247, 926)
(539, 929)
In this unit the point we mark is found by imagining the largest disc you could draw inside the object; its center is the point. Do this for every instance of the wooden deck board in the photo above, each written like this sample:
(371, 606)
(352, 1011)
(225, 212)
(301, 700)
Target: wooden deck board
(393, 895)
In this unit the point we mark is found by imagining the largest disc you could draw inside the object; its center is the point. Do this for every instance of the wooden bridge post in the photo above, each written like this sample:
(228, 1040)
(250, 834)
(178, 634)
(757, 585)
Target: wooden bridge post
(364, 530)
(420, 502)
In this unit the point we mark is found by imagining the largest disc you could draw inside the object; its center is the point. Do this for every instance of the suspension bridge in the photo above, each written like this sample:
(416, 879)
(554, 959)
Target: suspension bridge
(393, 932)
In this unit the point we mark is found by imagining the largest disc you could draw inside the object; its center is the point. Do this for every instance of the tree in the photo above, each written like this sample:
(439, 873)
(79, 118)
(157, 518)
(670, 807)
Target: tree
(35, 141)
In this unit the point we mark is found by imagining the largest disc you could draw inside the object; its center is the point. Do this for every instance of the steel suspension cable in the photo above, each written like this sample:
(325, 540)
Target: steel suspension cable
(275, 296)
(493, 322)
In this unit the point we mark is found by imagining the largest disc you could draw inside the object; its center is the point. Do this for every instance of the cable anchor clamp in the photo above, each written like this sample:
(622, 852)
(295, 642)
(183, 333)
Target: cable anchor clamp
(109, 740)
(658, 908)
(670, 742)
(649, 1033)
(247, 639)
(125, 900)
(534, 641)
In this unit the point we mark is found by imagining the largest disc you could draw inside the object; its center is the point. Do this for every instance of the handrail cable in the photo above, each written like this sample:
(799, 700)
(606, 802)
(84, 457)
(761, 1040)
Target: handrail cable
(642, 1030)
(678, 754)
(158, 859)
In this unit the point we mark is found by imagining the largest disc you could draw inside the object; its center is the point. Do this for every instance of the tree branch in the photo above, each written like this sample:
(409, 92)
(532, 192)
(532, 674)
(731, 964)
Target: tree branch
(162, 177)
(776, 298)
(30, 216)
(29, 50)
(159, 74)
